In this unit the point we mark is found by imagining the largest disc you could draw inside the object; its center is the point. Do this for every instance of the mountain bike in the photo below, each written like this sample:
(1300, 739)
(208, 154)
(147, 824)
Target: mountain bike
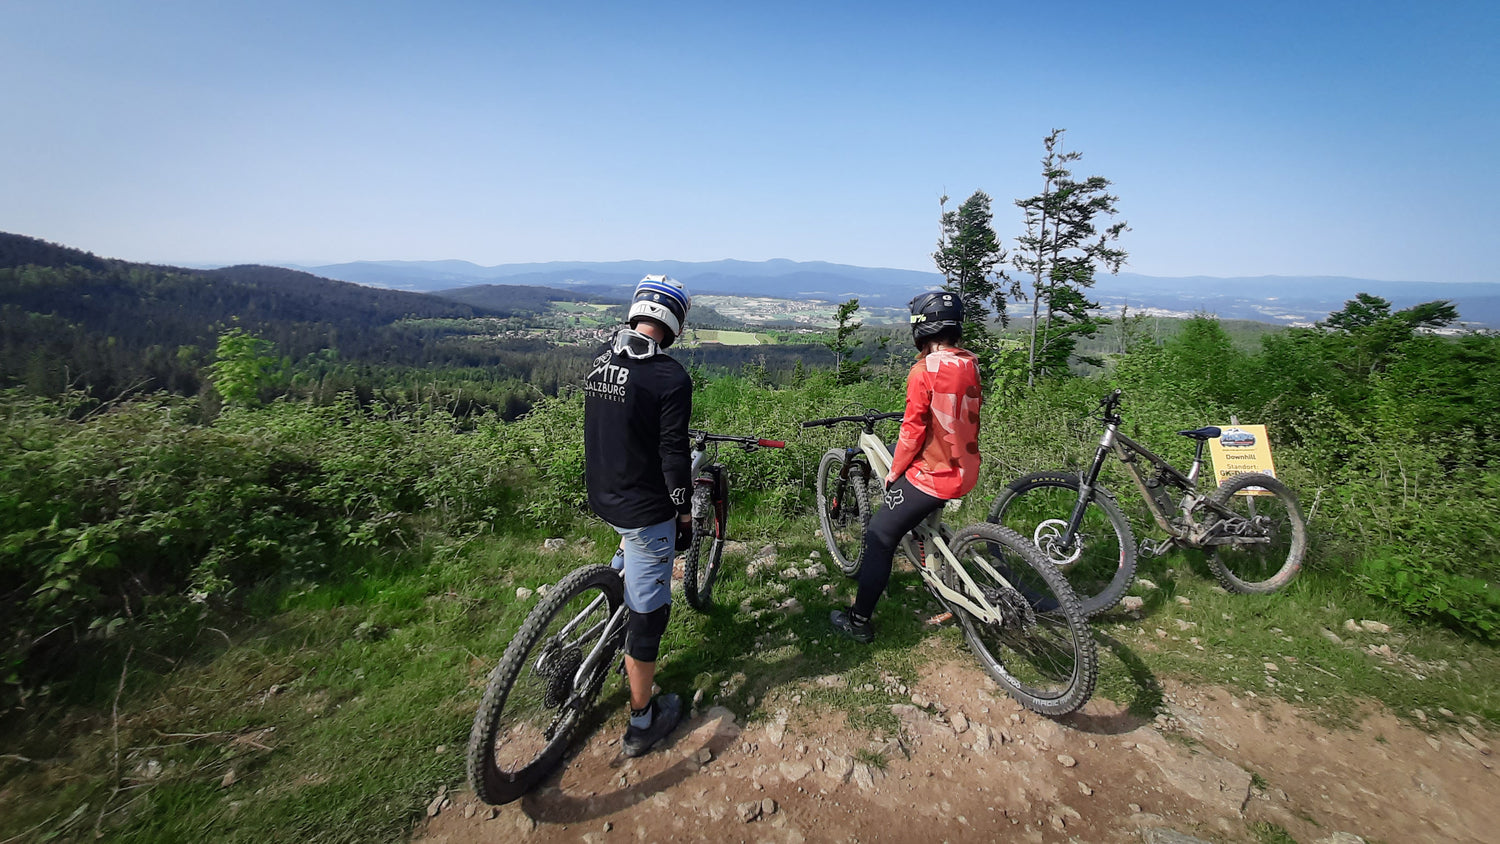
(710, 513)
(1250, 525)
(1018, 614)
(546, 682)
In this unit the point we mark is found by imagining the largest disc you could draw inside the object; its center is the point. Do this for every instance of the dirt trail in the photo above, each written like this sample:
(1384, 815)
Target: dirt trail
(970, 765)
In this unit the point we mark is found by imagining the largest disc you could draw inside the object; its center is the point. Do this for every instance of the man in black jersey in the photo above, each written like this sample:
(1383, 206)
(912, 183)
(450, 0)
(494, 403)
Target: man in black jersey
(637, 401)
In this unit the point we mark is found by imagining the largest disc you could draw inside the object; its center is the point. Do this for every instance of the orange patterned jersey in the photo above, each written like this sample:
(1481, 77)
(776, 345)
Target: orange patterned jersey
(939, 447)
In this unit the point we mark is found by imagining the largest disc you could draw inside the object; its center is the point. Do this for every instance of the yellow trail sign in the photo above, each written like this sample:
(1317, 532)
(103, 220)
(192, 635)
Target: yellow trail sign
(1242, 448)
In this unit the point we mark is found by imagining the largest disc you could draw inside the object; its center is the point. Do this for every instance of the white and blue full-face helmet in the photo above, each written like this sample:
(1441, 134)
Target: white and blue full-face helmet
(663, 299)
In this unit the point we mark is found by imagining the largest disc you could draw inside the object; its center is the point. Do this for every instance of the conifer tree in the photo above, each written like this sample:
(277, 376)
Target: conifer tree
(1061, 249)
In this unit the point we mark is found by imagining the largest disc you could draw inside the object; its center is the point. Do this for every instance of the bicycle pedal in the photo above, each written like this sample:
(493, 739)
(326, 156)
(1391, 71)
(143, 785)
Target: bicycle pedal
(1152, 548)
(940, 618)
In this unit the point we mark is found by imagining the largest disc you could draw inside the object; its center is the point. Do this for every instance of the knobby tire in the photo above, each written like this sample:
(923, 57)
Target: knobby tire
(508, 752)
(703, 556)
(1254, 568)
(1050, 662)
(845, 534)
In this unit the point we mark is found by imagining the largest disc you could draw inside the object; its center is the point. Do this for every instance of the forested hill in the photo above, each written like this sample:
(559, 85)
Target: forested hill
(527, 297)
(66, 314)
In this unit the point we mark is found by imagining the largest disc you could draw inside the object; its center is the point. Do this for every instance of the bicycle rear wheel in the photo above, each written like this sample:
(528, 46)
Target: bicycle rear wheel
(1101, 561)
(1270, 535)
(534, 699)
(843, 507)
(701, 562)
(1042, 652)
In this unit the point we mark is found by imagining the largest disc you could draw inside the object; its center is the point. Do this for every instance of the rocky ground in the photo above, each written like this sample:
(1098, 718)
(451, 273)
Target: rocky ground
(968, 764)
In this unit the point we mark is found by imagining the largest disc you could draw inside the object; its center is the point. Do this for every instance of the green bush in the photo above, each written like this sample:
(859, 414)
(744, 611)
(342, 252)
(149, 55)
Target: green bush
(135, 515)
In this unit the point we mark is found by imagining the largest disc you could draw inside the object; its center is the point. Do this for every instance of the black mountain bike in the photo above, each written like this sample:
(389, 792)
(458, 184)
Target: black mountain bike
(710, 513)
(1250, 526)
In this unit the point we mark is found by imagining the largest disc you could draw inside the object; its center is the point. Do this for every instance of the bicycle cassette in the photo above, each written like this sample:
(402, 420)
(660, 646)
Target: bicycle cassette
(558, 666)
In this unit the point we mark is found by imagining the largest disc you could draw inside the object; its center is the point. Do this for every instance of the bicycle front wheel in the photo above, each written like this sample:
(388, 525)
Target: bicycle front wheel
(1269, 535)
(843, 507)
(1041, 652)
(701, 562)
(1100, 562)
(535, 697)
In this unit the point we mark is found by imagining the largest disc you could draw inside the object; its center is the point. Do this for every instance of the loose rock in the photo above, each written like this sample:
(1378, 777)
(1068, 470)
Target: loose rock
(1474, 741)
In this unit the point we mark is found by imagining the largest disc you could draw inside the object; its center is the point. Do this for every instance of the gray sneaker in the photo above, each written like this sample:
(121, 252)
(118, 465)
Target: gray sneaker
(666, 711)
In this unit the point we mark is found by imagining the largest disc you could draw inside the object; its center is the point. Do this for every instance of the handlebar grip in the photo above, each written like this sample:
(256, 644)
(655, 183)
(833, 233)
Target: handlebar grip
(770, 443)
(814, 423)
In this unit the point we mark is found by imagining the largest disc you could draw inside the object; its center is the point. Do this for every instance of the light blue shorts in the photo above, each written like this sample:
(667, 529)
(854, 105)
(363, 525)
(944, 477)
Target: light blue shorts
(645, 560)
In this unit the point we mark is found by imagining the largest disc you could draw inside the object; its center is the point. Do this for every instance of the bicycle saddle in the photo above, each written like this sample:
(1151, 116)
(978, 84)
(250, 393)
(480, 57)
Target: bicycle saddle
(1208, 433)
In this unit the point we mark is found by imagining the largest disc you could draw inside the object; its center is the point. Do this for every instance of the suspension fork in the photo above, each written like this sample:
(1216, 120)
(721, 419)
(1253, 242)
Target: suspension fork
(843, 484)
(1087, 483)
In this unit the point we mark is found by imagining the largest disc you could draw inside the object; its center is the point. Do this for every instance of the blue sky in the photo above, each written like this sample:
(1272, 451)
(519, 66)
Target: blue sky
(1305, 138)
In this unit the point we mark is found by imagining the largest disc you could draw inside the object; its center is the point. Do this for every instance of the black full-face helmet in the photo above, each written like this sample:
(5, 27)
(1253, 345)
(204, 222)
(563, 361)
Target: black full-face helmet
(932, 313)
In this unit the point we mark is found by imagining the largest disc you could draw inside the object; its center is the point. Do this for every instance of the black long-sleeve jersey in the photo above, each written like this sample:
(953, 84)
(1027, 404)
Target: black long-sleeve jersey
(635, 440)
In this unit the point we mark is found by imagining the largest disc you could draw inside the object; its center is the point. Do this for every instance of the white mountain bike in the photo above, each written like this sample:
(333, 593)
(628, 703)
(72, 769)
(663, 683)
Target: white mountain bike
(1018, 614)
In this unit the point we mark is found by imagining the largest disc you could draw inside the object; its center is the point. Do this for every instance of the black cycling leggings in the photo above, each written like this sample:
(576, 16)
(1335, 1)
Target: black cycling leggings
(904, 508)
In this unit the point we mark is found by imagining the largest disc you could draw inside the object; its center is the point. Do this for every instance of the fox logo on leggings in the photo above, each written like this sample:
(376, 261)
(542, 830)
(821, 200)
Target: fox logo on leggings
(893, 498)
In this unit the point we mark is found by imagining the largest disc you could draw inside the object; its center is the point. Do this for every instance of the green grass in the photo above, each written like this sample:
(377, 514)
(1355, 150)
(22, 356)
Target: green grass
(1237, 636)
(1266, 832)
(344, 711)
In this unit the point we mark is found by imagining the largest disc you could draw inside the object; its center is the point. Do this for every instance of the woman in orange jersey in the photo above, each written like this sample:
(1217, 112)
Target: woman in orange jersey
(937, 457)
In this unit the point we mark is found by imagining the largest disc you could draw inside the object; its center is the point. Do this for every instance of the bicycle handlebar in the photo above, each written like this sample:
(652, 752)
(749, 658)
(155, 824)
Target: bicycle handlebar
(747, 442)
(869, 417)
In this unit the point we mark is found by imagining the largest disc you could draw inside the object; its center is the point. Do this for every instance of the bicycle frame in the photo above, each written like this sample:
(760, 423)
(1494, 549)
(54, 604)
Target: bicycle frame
(612, 627)
(1130, 454)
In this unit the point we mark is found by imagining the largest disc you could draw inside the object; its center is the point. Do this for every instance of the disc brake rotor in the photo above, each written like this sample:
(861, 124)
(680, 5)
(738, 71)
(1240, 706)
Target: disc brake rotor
(1048, 537)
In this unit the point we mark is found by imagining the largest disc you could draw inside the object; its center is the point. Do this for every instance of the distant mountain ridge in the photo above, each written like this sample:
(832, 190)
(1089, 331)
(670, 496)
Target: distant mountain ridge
(1284, 300)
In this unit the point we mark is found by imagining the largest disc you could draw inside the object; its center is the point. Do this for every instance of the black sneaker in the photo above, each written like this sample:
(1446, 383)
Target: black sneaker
(847, 623)
(666, 711)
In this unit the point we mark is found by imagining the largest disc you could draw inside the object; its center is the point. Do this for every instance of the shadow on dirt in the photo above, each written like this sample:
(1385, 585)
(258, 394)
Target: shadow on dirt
(1109, 718)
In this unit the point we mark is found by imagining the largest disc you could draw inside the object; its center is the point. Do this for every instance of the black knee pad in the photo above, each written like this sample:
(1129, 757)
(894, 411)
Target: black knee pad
(643, 633)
